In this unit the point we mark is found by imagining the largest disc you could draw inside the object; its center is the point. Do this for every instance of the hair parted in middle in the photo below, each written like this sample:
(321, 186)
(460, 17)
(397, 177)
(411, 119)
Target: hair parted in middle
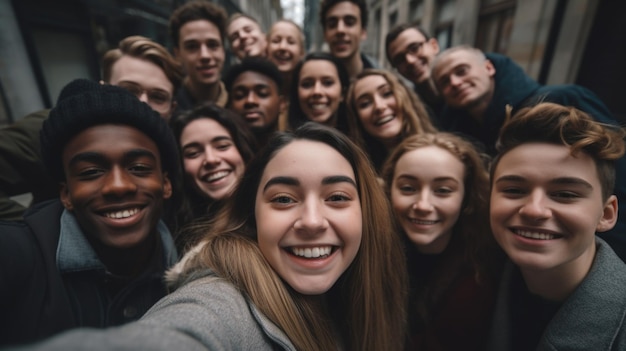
(366, 304)
(415, 117)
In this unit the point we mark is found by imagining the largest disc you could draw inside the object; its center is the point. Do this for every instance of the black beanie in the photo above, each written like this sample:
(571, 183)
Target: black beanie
(85, 103)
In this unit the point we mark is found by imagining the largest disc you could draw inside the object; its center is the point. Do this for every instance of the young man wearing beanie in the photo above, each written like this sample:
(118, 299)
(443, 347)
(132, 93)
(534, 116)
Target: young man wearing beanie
(95, 257)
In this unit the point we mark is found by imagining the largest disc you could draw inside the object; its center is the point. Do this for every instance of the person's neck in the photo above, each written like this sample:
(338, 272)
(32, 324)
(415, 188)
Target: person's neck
(203, 92)
(263, 135)
(558, 283)
(129, 262)
(353, 65)
(287, 83)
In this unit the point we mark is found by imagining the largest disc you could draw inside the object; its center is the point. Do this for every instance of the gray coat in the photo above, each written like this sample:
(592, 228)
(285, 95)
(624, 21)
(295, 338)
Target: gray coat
(592, 317)
(205, 314)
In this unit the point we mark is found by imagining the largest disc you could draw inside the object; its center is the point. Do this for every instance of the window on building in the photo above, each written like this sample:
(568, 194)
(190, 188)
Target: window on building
(445, 22)
(495, 24)
(416, 10)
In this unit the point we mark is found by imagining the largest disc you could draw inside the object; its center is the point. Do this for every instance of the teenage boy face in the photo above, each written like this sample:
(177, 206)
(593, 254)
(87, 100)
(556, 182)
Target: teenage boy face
(145, 80)
(255, 97)
(201, 52)
(411, 54)
(343, 30)
(546, 206)
(115, 190)
(246, 38)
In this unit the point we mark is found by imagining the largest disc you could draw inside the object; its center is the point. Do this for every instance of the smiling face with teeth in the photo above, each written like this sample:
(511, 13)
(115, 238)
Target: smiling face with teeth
(308, 215)
(286, 46)
(546, 206)
(319, 91)
(377, 109)
(427, 196)
(211, 159)
(115, 189)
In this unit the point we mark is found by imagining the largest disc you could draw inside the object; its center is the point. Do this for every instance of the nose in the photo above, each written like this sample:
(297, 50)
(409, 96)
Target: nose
(311, 219)
(204, 51)
(410, 58)
(455, 80)
(317, 88)
(251, 98)
(282, 44)
(379, 102)
(211, 158)
(534, 206)
(341, 26)
(422, 202)
(118, 183)
(143, 97)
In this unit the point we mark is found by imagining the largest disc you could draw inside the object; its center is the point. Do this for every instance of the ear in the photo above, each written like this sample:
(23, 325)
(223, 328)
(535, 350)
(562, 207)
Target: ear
(609, 215)
(64, 194)
(167, 186)
(490, 68)
(176, 54)
(434, 43)
(363, 34)
(172, 109)
(101, 82)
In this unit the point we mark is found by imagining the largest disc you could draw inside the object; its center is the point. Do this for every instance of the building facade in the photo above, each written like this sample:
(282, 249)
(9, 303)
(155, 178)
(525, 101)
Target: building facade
(46, 44)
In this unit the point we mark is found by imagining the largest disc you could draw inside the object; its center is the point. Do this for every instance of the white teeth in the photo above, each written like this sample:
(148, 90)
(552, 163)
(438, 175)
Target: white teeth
(312, 252)
(122, 214)
(385, 120)
(217, 175)
(535, 235)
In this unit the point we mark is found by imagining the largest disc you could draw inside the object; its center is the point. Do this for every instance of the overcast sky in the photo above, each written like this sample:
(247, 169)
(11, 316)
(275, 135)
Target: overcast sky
(294, 10)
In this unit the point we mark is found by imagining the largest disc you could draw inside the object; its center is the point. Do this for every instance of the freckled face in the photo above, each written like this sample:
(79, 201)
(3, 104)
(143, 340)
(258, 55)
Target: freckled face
(308, 215)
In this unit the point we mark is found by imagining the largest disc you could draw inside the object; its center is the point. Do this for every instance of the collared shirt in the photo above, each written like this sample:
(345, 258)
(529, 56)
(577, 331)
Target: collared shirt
(89, 284)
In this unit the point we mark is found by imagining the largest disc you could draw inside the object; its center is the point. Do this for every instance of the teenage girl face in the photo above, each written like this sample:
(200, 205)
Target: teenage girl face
(308, 215)
(319, 90)
(427, 193)
(377, 108)
(285, 47)
(211, 158)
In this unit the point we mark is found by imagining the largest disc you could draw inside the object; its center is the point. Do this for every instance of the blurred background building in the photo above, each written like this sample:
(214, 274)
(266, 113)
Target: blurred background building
(44, 44)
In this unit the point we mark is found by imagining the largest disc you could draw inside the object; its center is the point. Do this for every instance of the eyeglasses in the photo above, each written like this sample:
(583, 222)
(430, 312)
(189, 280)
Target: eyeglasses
(158, 99)
(413, 50)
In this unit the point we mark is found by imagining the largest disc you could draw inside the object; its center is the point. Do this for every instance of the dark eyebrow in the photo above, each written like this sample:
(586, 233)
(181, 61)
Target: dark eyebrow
(561, 180)
(96, 157)
(281, 180)
(338, 179)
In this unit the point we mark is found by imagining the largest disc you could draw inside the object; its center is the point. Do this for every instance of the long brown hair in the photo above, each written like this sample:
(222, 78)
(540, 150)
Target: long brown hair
(415, 117)
(367, 304)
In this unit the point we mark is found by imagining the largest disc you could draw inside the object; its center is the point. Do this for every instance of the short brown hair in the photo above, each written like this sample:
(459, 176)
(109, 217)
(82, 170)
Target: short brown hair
(145, 49)
(197, 10)
(565, 125)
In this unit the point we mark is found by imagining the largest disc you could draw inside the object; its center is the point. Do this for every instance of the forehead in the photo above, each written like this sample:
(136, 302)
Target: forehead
(140, 71)
(207, 128)
(369, 83)
(457, 58)
(430, 160)
(409, 35)
(99, 139)
(318, 68)
(199, 30)
(343, 9)
(252, 78)
(307, 159)
(284, 28)
(241, 22)
(540, 161)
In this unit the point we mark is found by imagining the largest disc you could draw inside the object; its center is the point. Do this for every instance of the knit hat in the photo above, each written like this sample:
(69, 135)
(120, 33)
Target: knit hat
(85, 103)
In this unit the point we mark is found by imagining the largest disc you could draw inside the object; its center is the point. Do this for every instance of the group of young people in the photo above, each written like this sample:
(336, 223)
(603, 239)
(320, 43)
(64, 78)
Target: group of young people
(317, 202)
